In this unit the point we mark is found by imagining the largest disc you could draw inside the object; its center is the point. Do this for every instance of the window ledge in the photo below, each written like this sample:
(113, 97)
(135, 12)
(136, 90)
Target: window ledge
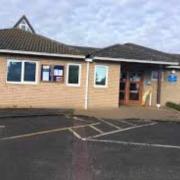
(100, 87)
(73, 85)
(21, 83)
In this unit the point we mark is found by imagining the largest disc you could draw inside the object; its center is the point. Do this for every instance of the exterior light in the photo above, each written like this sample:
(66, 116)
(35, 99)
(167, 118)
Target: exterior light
(89, 58)
(173, 71)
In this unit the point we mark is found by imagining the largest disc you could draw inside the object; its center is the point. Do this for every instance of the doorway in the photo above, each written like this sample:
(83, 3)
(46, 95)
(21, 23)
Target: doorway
(131, 87)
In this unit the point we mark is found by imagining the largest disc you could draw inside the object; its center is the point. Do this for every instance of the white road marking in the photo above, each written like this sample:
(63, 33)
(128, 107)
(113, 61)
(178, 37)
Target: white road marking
(96, 129)
(86, 125)
(2, 126)
(79, 119)
(134, 143)
(128, 123)
(45, 132)
(67, 116)
(121, 130)
(75, 134)
(110, 124)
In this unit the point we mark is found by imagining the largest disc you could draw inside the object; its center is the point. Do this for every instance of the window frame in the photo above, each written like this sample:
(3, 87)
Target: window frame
(67, 75)
(25, 25)
(22, 72)
(107, 76)
(153, 79)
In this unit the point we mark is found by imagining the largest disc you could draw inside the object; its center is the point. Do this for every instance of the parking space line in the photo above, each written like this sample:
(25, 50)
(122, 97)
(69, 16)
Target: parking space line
(128, 123)
(96, 129)
(79, 119)
(86, 125)
(110, 124)
(44, 132)
(75, 134)
(134, 143)
(122, 130)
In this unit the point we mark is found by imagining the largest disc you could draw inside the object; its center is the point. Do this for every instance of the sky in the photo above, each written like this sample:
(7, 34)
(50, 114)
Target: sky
(100, 23)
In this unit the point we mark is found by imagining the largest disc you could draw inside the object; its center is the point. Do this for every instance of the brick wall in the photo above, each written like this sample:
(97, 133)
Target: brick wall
(58, 95)
(169, 91)
(105, 97)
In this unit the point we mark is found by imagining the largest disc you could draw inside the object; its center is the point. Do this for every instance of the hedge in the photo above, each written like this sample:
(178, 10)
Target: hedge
(173, 105)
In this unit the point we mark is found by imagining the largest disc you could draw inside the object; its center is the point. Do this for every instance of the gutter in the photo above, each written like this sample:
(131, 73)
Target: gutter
(41, 54)
(135, 61)
(173, 67)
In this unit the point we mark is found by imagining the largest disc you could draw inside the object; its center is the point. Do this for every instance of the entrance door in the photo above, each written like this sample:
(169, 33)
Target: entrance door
(131, 85)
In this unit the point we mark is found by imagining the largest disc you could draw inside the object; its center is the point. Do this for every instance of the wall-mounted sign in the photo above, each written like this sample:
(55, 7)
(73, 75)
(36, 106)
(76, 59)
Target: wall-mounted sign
(58, 73)
(172, 78)
(52, 73)
(45, 73)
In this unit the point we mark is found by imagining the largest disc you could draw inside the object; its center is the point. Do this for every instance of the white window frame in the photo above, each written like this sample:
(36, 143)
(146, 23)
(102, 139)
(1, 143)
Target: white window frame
(24, 23)
(153, 79)
(22, 72)
(67, 75)
(107, 76)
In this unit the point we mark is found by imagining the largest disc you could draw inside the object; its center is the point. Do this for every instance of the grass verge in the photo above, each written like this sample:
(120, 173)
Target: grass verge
(173, 105)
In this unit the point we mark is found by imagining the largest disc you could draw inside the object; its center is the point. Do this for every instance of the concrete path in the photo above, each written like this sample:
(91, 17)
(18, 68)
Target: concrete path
(131, 112)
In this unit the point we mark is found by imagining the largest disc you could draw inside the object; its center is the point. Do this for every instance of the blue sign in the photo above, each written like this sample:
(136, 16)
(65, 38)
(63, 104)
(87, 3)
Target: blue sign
(172, 78)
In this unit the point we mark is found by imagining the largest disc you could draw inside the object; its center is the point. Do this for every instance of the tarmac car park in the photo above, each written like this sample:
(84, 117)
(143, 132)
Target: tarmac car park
(80, 147)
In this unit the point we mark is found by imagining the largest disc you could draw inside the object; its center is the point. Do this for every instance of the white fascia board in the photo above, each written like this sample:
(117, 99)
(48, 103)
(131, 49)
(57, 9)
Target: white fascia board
(41, 54)
(83, 57)
(135, 60)
(173, 67)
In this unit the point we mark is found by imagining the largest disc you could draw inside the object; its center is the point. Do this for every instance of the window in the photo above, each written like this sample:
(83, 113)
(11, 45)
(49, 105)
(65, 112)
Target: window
(101, 76)
(21, 71)
(154, 76)
(73, 74)
(24, 26)
(29, 71)
(14, 71)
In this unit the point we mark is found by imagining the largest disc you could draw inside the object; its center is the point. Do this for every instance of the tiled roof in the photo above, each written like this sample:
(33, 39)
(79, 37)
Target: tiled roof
(133, 51)
(87, 50)
(17, 39)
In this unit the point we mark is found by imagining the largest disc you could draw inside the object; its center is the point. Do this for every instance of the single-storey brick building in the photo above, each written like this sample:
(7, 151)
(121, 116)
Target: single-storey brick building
(36, 71)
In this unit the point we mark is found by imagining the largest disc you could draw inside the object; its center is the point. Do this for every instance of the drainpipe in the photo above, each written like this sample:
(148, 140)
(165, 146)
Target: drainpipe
(88, 60)
(159, 88)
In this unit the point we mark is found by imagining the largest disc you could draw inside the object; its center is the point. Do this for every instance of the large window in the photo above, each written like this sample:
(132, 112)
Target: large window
(29, 71)
(14, 71)
(101, 76)
(21, 71)
(73, 74)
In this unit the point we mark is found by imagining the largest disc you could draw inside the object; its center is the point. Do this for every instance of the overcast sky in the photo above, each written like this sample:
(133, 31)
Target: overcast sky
(153, 23)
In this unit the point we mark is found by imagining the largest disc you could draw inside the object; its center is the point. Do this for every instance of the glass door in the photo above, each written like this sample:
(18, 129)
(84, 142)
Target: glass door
(131, 84)
(123, 86)
(135, 87)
